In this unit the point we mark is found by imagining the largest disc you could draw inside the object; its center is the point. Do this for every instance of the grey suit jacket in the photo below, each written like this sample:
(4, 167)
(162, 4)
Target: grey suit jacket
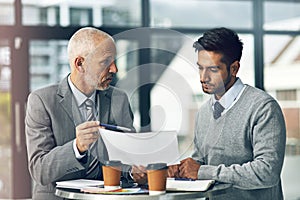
(51, 117)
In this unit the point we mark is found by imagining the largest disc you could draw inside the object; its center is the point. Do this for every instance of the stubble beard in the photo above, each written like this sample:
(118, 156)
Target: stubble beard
(91, 81)
(223, 88)
(219, 90)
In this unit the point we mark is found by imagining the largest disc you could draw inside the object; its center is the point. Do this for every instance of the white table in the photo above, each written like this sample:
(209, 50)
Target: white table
(76, 194)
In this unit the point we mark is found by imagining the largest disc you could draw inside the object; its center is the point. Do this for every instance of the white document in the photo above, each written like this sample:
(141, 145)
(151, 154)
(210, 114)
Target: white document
(79, 183)
(180, 185)
(142, 148)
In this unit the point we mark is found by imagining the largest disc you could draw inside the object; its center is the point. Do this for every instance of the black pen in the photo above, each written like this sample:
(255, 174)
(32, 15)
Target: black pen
(184, 179)
(115, 128)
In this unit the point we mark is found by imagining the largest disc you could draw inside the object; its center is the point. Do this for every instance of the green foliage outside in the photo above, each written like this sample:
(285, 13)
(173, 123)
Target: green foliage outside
(5, 118)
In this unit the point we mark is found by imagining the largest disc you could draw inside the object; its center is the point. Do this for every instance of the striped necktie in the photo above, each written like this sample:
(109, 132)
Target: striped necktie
(90, 110)
(218, 109)
(90, 116)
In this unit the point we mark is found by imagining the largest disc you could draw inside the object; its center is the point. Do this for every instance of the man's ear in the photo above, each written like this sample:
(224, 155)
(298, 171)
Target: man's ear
(234, 67)
(79, 63)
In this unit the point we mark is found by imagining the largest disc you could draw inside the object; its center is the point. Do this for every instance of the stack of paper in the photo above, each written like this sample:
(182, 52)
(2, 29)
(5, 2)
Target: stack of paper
(96, 190)
(187, 185)
(79, 183)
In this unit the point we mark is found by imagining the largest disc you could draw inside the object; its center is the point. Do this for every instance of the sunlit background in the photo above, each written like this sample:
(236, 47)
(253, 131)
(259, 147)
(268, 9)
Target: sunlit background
(156, 64)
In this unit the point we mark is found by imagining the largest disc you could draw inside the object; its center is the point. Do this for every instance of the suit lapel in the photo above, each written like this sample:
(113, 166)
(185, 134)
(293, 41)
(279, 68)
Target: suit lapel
(66, 99)
(104, 105)
(76, 113)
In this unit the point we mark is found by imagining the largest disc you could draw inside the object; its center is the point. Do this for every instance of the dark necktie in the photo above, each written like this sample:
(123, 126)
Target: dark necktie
(90, 116)
(218, 109)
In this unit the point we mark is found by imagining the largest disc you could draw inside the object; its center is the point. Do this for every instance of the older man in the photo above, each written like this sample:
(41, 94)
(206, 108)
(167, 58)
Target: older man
(62, 121)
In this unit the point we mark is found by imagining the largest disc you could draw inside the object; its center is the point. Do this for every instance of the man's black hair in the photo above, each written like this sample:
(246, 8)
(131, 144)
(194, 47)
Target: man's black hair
(221, 40)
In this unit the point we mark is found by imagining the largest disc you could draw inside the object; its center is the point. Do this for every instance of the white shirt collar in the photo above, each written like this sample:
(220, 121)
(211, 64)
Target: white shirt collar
(79, 96)
(231, 95)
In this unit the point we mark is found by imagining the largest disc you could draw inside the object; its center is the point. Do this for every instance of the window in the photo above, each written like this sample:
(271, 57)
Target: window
(82, 17)
(281, 76)
(7, 16)
(201, 14)
(82, 13)
(286, 95)
(48, 62)
(283, 15)
(5, 120)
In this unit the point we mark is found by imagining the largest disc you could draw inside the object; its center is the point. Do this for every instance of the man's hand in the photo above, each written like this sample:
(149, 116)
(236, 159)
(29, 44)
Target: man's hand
(173, 171)
(139, 174)
(189, 168)
(86, 134)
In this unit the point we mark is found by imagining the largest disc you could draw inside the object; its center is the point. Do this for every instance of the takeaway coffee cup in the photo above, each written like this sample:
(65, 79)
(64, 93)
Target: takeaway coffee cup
(157, 178)
(112, 174)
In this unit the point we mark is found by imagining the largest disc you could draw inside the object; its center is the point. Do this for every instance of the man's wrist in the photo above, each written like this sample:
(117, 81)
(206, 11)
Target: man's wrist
(130, 173)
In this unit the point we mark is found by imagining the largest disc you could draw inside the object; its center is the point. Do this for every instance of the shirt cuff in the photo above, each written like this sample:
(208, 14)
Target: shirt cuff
(208, 172)
(130, 173)
(77, 154)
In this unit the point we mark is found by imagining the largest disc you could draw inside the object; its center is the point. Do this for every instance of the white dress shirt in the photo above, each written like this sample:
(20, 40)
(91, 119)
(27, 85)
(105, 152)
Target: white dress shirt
(231, 96)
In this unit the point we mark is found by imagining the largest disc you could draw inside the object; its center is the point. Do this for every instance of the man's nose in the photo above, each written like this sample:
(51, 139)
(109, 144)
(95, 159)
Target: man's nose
(113, 68)
(204, 76)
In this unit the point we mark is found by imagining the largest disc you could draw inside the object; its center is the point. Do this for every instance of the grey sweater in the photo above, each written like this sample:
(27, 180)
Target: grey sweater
(244, 147)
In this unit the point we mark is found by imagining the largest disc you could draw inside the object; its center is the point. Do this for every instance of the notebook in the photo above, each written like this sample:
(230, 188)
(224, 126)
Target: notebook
(79, 183)
(188, 185)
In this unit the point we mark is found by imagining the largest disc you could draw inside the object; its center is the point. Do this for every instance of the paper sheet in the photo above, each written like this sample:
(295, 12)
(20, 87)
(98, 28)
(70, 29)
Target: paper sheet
(142, 148)
(79, 183)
